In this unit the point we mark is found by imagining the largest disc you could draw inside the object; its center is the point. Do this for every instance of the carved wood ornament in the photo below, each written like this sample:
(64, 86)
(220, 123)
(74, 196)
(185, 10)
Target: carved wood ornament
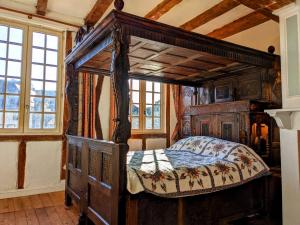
(119, 75)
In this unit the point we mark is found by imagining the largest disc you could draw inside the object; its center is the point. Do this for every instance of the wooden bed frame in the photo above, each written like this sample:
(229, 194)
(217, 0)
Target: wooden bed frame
(124, 46)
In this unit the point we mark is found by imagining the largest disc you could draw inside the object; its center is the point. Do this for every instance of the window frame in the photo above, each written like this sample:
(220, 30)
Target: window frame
(24, 105)
(142, 103)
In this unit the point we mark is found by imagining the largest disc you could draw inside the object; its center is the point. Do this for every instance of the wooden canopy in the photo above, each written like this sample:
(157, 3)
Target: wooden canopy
(163, 53)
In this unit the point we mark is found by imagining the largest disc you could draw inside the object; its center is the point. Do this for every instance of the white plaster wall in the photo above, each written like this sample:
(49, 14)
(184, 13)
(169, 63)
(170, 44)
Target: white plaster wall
(155, 143)
(104, 107)
(259, 37)
(42, 168)
(135, 144)
(8, 165)
(290, 176)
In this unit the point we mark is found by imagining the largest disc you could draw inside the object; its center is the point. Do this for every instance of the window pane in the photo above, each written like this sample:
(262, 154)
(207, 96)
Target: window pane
(35, 120)
(51, 73)
(1, 119)
(135, 123)
(148, 122)
(2, 67)
(13, 86)
(51, 57)
(149, 98)
(49, 121)
(49, 104)
(12, 103)
(15, 52)
(149, 86)
(13, 69)
(2, 85)
(16, 35)
(37, 71)
(135, 109)
(3, 50)
(3, 33)
(50, 89)
(156, 98)
(1, 102)
(37, 55)
(11, 120)
(135, 85)
(38, 39)
(156, 123)
(135, 97)
(157, 110)
(36, 87)
(149, 110)
(35, 104)
(52, 42)
(156, 87)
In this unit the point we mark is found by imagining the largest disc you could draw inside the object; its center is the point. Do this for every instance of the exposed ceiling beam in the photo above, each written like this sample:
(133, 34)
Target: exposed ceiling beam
(210, 14)
(257, 6)
(41, 7)
(97, 11)
(161, 9)
(244, 23)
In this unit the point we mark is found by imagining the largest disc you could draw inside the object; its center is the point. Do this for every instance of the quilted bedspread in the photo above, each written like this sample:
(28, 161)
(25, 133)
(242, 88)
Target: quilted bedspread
(192, 166)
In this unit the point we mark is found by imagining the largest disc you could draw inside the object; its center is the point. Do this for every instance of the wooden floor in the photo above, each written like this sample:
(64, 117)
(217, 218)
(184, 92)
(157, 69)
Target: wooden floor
(43, 209)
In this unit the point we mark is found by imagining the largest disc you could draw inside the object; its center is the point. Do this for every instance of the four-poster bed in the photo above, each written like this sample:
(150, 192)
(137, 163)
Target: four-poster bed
(124, 46)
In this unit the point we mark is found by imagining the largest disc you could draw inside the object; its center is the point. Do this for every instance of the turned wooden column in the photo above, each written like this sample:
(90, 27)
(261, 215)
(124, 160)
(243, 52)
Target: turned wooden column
(122, 132)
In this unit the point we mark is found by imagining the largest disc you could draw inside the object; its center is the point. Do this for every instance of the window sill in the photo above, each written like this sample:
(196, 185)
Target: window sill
(31, 137)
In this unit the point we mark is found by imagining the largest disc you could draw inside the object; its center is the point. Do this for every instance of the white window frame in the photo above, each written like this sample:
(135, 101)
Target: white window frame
(26, 80)
(142, 116)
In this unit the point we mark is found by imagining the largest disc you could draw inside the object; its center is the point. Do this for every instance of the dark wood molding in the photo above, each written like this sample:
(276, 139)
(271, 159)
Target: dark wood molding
(21, 164)
(41, 7)
(168, 115)
(210, 14)
(30, 15)
(161, 9)
(27, 138)
(244, 23)
(97, 11)
(147, 136)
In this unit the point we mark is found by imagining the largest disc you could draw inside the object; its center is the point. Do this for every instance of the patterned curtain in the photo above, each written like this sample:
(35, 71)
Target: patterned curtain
(176, 89)
(89, 124)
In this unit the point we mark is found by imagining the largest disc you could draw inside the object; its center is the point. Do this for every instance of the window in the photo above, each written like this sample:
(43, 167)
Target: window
(29, 78)
(146, 106)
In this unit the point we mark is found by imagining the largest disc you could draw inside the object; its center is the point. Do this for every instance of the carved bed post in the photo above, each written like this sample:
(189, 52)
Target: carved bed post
(72, 98)
(122, 132)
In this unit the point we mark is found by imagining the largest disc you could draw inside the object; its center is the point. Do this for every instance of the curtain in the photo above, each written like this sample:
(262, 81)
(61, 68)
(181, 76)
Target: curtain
(89, 124)
(176, 90)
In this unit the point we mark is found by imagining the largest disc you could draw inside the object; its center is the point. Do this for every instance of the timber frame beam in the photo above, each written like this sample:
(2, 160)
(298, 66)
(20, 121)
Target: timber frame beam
(41, 7)
(97, 11)
(161, 9)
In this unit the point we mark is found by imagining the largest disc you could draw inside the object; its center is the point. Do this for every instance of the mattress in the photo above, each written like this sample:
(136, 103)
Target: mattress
(193, 166)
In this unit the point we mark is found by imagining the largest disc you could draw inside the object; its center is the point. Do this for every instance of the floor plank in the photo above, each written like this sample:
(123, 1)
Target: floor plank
(20, 217)
(46, 200)
(63, 215)
(31, 217)
(53, 215)
(36, 201)
(43, 216)
(7, 218)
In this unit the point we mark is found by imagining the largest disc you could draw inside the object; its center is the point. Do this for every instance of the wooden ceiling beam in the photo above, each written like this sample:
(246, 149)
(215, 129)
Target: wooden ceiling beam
(257, 6)
(244, 23)
(97, 11)
(161, 9)
(210, 14)
(41, 7)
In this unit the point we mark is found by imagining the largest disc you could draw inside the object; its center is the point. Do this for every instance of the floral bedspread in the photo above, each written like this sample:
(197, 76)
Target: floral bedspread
(192, 166)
